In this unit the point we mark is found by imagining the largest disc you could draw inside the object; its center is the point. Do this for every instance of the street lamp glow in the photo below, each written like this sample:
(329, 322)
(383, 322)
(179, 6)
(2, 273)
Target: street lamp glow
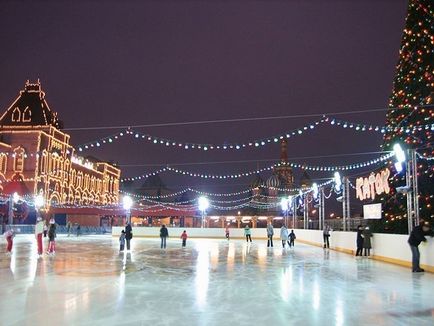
(338, 181)
(315, 190)
(127, 202)
(15, 197)
(203, 203)
(399, 153)
(284, 204)
(398, 167)
(39, 201)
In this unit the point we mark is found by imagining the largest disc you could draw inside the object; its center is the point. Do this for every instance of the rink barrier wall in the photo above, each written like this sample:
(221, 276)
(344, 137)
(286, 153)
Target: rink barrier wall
(390, 248)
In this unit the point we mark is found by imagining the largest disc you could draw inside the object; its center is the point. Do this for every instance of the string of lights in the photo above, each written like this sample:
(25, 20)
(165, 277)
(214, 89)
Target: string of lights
(253, 143)
(268, 168)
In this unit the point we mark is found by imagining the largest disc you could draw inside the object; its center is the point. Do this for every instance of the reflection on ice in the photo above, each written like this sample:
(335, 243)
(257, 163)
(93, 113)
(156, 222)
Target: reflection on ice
(211, 282)
(202, 276)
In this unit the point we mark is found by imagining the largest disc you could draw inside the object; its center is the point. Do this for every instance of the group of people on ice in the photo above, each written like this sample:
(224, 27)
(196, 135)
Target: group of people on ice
(285, 236)
(42, 230)
(127, 235)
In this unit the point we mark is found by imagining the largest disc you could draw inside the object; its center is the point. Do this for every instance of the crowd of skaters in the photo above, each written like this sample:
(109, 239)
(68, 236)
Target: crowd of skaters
(363, 238)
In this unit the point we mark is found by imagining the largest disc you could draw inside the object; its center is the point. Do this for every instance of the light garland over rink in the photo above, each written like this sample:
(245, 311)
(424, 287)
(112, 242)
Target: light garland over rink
(354, 166)
(253, 143)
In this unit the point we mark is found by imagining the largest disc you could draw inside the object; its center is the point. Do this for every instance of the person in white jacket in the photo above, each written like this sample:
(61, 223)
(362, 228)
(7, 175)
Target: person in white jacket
(284, 235)
(39, 230)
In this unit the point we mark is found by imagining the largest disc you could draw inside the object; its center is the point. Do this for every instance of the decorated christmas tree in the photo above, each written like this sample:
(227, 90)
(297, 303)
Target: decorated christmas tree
(411, 115)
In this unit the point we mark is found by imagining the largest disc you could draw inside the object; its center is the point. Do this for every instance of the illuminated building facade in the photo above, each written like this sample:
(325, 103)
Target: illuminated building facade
(35, 152)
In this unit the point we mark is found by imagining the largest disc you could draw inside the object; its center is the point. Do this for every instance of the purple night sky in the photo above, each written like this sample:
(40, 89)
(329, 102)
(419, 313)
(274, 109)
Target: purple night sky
(140, 62)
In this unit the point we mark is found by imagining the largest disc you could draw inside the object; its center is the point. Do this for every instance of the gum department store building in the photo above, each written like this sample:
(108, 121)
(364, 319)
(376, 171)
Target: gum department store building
(36, 157)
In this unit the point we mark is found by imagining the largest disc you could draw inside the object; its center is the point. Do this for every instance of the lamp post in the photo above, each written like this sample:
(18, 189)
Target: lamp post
(284, 203)
(127, 203)
(203, 206)
(14, 199)
(411, 184)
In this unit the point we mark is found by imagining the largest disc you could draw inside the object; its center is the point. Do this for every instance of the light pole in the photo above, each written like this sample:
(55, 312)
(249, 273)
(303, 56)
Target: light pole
(284, 203)
(14, 199)
(203, 206)
(127, 203)
(411, 184)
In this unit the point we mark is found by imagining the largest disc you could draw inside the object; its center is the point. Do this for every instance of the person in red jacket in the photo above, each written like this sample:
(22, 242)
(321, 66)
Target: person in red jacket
(184, 238)
(9, 235)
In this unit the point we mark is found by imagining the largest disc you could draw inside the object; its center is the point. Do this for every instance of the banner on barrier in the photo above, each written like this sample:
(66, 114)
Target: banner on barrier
(372, 211)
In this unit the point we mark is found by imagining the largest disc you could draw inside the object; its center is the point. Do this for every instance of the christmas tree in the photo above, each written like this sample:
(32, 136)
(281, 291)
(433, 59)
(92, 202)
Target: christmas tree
(411, 114)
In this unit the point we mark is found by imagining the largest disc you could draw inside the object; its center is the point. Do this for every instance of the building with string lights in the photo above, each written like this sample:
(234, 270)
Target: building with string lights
(37, 157)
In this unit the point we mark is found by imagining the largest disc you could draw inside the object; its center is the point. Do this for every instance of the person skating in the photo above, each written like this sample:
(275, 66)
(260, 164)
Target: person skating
(52, 238)
(39, 230)
(184, 238)
(292, 238)
(270, 233)
(284, 235)
(9, 236)
(122, 241)
(45, 227)
(359, 240)
(227, 232)
(417, 236)
(78, 229)
(326, 236)
(128, 235)
(367, 245)
(248, 233)
(164, 233)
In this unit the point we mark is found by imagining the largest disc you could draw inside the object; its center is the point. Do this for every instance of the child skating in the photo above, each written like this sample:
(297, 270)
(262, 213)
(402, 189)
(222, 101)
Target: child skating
(122, 241)
(292, 238)
(9, 236)
(184, 238)
(52, 238)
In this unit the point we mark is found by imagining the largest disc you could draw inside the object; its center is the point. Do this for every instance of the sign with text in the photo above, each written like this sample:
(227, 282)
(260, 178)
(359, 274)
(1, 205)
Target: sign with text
(372, 211)
(375, 184)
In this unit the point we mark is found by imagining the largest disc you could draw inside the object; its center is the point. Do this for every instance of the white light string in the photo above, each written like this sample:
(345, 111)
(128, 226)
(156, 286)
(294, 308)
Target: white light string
(268, 168)
(254, 143)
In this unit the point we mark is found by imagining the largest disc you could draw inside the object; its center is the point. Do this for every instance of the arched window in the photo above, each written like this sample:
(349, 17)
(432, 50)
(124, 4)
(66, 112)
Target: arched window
(27, 115)
(19, 159)
(16, 115)
(3, 163)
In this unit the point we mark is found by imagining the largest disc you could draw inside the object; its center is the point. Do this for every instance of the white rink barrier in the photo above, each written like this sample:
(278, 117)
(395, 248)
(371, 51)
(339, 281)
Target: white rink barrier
(392, 248)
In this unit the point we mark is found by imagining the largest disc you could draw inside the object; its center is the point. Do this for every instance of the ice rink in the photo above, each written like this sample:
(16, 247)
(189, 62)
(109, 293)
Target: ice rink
(211, 282)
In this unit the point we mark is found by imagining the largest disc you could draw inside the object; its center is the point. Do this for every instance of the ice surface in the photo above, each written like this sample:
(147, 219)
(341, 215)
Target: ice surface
(211, 282)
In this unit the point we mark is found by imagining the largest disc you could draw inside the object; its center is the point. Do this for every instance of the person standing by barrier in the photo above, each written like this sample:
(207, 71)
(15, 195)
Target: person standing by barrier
(284, 235)
(248, 233)
(164, 233)
(39, 230)
(68, 228)
(367, 235)
(326, 236)
(128, 235)
(270, 233)
(292, 238)
(417, 236)
(359, 240)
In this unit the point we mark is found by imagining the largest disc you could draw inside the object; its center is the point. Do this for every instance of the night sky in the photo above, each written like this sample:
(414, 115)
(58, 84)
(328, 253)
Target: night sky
(105, 63)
